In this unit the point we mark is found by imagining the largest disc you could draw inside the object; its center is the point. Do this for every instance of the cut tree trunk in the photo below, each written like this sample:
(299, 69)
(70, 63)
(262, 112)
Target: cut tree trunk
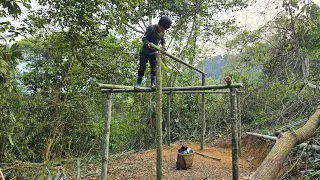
(273, 163)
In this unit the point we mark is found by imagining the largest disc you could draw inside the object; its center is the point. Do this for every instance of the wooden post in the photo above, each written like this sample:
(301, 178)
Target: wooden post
(239, 122)
(203, 122)
(105, 153)
(159, 117)
(233, 109)
(168, 119)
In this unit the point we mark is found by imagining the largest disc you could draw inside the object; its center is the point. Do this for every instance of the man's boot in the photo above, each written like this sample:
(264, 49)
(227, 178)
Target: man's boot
(153, 82)
(138, 84)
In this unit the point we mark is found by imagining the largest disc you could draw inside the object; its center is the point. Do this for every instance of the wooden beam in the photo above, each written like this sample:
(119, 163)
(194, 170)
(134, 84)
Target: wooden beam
(177, 59)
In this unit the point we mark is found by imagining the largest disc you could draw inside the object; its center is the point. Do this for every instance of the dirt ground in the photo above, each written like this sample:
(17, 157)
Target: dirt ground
(142, 165)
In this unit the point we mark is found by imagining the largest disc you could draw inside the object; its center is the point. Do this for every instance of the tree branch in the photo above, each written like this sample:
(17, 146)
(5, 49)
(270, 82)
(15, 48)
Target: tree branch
(133, 28)
(144, 23)
(143, 29)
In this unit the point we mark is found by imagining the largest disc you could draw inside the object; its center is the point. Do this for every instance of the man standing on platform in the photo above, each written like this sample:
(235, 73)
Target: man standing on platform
(153, 35)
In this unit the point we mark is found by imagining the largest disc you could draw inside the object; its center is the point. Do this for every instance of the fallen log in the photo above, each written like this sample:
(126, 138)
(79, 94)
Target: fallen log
(273, 163)
(218, 159)
(273, 138)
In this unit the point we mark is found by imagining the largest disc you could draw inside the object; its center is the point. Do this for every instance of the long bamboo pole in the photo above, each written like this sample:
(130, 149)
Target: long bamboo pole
(273, 138)
(166, 91)
(198, 92)
(203, 120)
(105, 153)
(188, 88)
(233, 109)
(159, 117)
(239, 122)
(168, 119)
(177, 59)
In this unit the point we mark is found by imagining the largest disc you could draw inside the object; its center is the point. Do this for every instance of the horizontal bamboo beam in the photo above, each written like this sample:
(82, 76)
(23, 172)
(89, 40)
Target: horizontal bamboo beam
(198, 92)
(113, 86)
(191, 88)
(118, 88)
(164, 92)
(177, 59)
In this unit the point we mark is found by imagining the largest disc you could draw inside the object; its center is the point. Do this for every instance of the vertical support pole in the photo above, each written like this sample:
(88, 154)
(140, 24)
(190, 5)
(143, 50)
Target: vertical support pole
(78, 170)
(203, 119)
(159, 117)
(168, 119)
(105, 153)
(239, 123)
(233, 109)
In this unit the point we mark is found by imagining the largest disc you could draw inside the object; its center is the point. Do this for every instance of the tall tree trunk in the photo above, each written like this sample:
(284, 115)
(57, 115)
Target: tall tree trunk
(273, 163)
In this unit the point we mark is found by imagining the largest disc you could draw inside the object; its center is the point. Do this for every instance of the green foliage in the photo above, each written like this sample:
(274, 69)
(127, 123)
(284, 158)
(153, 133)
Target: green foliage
(11, 9)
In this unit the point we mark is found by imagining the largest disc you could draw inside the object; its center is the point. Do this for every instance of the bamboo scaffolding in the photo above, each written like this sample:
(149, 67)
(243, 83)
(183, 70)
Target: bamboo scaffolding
(177, 59)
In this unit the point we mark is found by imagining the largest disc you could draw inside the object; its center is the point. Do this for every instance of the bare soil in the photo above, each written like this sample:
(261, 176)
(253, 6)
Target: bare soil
(142, 165)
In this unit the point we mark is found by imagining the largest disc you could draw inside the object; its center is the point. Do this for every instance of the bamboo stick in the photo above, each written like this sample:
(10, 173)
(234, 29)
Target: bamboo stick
(177, 59)
(159, 117)
(198, 92)
(235, 148)
(203, 120)
(273, 138)
(239, 122)
(78, 170)
(104, 171)
(218, 159)
(166, 91)
(188, 88)
(168, 119)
